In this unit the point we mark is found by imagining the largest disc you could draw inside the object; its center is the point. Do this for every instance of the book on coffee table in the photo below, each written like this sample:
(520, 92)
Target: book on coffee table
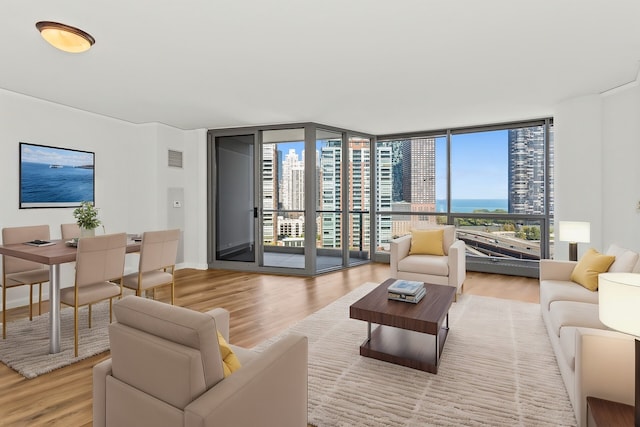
(408, 298)
(406, 287)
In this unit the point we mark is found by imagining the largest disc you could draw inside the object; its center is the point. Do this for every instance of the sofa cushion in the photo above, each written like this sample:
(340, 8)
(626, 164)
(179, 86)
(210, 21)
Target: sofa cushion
(590, 265)
(625, 259)
(448, 235)
(571, 313)
(425, 264)
(427, 242)
(563, 290)
(568, 345)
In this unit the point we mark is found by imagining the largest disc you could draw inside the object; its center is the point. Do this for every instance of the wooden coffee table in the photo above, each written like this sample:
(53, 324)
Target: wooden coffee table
(408, 334)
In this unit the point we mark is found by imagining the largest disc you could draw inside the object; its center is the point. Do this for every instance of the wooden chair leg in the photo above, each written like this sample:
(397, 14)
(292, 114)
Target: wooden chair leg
(4, 312)
(110, 310)
(89, 316)
(172, 293)
(75, 329)
(30, 302)
(40, 299)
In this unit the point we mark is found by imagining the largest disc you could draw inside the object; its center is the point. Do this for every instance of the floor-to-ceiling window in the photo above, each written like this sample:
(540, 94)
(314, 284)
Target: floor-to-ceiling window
(493, 182)
(326, 198)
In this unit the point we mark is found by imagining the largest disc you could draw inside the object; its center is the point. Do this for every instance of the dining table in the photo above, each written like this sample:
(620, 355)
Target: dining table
(60, 252)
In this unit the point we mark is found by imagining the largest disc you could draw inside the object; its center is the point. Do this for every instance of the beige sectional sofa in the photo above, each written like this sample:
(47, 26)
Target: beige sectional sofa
(593, 359)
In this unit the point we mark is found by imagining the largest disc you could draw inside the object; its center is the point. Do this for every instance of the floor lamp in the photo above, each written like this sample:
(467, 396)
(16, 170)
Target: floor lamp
(574, 232)
(619, 299)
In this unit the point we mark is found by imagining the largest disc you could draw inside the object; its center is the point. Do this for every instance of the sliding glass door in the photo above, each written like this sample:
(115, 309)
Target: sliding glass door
(235, 211)
(283, 220)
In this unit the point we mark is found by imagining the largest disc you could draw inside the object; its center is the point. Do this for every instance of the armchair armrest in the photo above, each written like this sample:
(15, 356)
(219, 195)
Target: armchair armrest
(399, 249)
(100, 373)
(551, 269)
(457, 264)
(272, 387)
(604, 368)
(221, 316)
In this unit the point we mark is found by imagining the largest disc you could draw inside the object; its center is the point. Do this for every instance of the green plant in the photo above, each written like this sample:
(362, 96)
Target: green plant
(87, 216)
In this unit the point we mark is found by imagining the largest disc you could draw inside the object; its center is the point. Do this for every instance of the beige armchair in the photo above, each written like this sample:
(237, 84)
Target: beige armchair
(166, 370)
(446, 269)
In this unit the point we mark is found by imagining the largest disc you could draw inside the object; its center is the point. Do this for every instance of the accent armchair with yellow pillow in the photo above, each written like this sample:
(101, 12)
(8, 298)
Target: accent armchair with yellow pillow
(169, 368)
(431, 255)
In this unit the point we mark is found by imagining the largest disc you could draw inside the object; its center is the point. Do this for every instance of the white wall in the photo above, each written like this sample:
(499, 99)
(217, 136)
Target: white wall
(621, 172)
(597, 147)
(132, 176)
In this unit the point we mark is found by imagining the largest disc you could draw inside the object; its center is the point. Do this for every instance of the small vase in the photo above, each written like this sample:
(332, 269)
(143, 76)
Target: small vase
(87, 232)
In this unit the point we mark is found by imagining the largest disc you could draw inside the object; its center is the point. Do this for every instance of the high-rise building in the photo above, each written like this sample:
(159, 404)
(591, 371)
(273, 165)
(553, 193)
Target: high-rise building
(359, 203)
(269, 192)
(359, 194)
(384, 182)
(330, 227)
(414, 183)
(527, 170)
(419, 175)
(292, 182)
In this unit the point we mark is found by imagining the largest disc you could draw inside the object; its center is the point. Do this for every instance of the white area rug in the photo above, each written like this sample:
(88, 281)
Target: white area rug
(497, 369)
(26, 349)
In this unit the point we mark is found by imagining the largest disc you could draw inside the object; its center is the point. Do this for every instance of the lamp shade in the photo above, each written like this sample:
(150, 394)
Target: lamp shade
(65, 37)
(619, 301)
(574, 231)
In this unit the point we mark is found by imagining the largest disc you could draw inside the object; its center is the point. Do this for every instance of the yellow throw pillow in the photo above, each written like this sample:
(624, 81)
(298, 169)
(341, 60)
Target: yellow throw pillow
(590, 265)
(427, 242)
(230, 362)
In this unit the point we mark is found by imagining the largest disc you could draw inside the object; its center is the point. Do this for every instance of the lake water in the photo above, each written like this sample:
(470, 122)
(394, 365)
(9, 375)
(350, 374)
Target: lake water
(470, 205)
(40, 183)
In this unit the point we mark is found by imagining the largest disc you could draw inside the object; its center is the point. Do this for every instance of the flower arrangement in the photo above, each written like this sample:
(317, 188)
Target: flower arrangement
(86, 216)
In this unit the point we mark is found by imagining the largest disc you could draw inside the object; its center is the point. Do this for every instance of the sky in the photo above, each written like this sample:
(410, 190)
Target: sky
(54, 156)
(479, 163)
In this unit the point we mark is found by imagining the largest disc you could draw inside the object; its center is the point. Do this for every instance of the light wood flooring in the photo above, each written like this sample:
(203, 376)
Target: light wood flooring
(261, 306)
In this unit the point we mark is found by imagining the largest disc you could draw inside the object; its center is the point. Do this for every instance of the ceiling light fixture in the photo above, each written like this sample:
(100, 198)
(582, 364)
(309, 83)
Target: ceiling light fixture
(65, 37)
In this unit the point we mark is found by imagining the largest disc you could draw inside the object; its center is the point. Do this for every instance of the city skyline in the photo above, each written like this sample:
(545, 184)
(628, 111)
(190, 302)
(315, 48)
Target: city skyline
(475, 155)
(495, 171)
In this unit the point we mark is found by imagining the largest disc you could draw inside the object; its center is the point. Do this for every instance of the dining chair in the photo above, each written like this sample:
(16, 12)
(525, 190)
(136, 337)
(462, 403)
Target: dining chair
(99, 262)
(70, 231)
(158, 251)
(19, 272)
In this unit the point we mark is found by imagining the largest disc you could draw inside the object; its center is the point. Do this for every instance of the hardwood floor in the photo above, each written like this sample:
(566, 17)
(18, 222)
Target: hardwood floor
(260, 305)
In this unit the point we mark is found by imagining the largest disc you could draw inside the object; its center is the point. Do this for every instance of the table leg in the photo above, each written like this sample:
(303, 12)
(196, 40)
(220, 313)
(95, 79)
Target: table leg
(446, 327)
(368, 331)
(54, 309)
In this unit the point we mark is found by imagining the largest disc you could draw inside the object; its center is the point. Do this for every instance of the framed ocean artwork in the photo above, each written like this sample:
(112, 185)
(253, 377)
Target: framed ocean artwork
(54, 177)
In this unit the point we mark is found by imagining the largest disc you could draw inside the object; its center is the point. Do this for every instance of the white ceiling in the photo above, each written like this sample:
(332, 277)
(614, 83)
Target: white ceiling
(377, 66)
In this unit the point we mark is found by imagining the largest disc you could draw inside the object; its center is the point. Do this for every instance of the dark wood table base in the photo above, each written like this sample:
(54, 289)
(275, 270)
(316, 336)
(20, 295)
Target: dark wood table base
(411, 335)
(407, 348)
